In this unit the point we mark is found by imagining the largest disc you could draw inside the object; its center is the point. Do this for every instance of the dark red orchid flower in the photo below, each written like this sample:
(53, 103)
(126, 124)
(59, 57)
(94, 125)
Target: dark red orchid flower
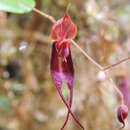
(122, 112)
(62, 69)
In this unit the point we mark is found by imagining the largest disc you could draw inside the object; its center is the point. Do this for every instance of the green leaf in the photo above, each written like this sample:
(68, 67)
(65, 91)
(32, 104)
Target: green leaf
(16, 6)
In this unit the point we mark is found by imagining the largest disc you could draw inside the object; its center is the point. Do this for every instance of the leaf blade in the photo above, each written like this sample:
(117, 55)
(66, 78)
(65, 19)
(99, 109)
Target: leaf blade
(15, 6)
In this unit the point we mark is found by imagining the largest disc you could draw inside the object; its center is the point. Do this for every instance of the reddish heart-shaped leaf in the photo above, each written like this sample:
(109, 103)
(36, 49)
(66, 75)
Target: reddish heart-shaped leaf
(64, 28)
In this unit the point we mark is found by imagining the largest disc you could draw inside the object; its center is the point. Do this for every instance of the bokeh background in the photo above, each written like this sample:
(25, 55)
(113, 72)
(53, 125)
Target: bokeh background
(28, 97)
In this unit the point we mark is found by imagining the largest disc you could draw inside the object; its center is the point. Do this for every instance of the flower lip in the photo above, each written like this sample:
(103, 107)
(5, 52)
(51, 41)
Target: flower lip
(62, 70)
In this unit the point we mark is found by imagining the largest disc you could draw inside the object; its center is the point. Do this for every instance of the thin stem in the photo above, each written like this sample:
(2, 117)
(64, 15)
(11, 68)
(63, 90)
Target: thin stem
(86, 55)
(121, 99)
(118, 63)
(118, 91)
(39, 12)
(98, 65)
(45, 15)
(104, 69)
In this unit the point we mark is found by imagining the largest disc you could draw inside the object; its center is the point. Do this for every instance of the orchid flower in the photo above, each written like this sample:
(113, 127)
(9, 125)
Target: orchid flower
(122, 112)
(62, 69)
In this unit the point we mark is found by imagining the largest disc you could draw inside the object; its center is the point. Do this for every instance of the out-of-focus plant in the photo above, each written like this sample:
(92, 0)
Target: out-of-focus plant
(125, 89)
(5, 103)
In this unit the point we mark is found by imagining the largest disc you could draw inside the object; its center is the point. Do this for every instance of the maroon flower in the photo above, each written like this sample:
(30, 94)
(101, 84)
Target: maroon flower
(123, 110)
(122, 114)
(61, 62)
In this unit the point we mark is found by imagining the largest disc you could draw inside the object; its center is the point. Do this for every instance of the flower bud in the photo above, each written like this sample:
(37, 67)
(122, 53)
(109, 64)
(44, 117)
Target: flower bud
(122, 114)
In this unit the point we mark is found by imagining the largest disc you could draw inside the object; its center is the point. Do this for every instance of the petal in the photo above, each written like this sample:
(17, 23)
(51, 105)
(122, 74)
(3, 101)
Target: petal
(62, 71)
(64, 28)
